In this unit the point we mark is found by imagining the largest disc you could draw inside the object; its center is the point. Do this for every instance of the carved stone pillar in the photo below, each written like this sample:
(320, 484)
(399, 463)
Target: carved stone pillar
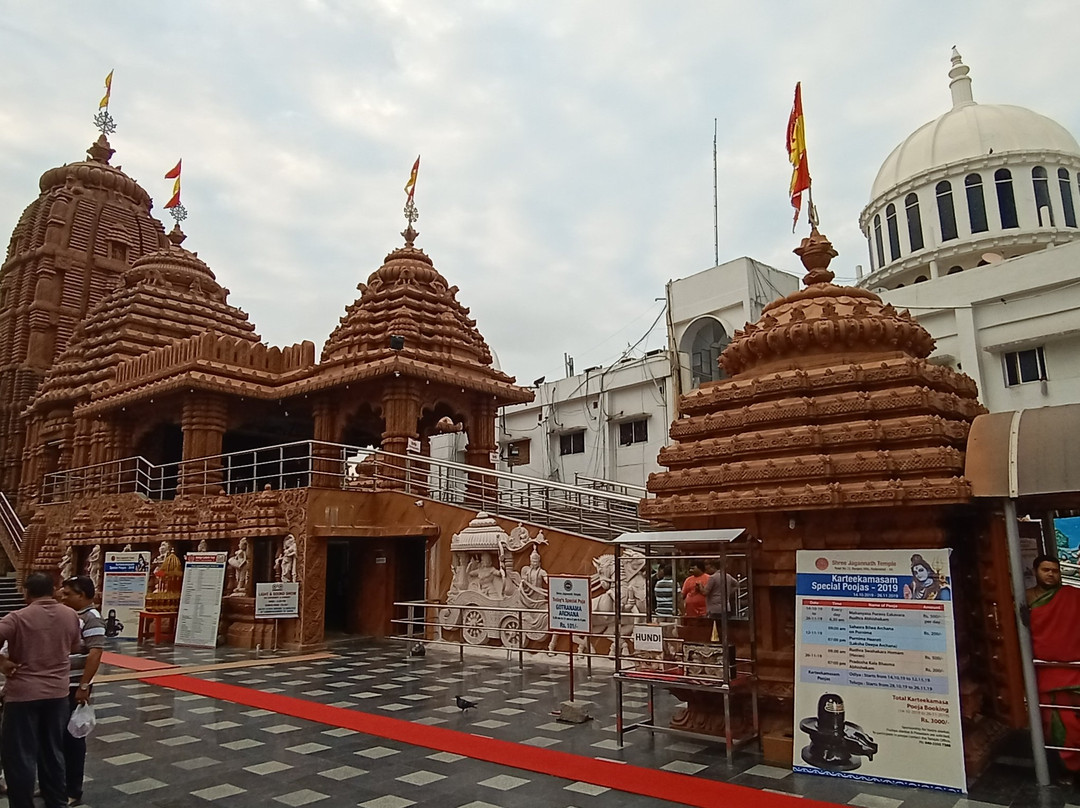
(326, 473)
(203, 420)
(481, 431)
(401, 414)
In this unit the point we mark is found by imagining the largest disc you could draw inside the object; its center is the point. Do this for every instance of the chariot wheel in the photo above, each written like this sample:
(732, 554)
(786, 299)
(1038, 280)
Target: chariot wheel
(510, 631)
(473, 629)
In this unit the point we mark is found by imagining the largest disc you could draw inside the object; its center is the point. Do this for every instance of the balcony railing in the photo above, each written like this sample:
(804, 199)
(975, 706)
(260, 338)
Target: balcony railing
(591, 512)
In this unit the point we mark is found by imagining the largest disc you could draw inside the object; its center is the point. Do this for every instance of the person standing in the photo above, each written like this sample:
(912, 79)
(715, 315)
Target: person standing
(664, 592)
(78, 593)
(693, 591)
(1055, 614)
(40, 637)
(719, 592)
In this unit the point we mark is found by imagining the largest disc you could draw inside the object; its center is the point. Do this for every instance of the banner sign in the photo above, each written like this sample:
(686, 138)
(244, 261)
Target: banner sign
(648, 638)
(877, 695)
(123, 592)
(569, 603)
(277, 600)
(200, 599)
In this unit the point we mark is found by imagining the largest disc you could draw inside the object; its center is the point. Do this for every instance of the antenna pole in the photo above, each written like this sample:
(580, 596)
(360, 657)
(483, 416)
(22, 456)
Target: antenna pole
(715, 201)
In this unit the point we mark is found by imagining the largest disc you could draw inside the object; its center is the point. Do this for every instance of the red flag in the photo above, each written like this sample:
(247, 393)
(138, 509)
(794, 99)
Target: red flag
(410, 186)
(174, 174)
(796, 147)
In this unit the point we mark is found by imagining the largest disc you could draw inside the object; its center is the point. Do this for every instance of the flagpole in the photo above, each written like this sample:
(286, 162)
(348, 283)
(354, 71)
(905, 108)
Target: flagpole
(715, 201)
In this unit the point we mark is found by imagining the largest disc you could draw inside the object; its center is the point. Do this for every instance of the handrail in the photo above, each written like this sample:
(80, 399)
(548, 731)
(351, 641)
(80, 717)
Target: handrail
(590, 512)
(11, 531)
(612, 486)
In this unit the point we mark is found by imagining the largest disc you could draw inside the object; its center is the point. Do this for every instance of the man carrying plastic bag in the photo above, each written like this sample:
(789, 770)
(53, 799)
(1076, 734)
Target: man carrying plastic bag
(78, 593)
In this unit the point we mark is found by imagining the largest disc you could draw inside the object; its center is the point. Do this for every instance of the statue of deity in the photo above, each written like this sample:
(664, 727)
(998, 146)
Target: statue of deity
(94, 566)
(285, 563)
(67, 563)
(242, 566)
(202, 547)
(164, 550)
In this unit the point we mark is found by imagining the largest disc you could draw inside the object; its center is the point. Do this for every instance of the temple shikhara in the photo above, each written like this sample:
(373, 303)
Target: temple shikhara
(140, 410)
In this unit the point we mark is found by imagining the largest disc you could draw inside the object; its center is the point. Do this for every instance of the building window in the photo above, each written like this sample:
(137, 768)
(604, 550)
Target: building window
(914, 222)
(954, 269)
(631, 432)
(1067, 207)
(976, 203)
(877, 242)
(572, 443)
(894, 232)
(1022, 367)
(709, 338)
(1006, 200)
(945, 210)
(1042, 197)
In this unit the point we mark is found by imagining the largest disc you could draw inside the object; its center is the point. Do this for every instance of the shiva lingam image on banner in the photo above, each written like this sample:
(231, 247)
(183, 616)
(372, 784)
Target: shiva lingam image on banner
(835, 743)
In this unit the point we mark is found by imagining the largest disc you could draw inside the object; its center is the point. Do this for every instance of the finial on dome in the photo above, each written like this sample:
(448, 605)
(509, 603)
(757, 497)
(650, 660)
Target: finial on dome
(100, 151)
(409, 235)
(816, 253)
(176, 236)
(960, 85)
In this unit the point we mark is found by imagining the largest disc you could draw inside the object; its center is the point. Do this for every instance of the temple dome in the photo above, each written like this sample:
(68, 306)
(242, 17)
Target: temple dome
(831, 402)
(408, 297)
(165, 296)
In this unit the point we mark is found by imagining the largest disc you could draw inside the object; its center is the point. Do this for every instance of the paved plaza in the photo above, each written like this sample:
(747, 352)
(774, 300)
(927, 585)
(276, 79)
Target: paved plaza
(160, 744)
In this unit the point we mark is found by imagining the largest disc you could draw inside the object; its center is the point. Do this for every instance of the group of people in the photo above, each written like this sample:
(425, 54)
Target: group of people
(707, 592)
(52, 650)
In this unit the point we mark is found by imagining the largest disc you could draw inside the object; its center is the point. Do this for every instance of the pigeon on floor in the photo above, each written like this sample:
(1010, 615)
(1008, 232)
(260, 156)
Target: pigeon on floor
(463, 704)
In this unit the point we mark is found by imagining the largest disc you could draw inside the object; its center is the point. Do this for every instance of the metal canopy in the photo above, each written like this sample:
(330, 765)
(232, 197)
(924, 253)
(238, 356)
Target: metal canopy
(665, 537)
(1025, 452)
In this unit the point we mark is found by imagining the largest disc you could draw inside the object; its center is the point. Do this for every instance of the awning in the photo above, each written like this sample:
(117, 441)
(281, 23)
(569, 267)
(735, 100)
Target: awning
(666, 537)
(1025, 453)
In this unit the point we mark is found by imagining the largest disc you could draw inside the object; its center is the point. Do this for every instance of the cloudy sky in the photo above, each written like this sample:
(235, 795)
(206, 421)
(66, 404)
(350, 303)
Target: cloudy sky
(567, 164)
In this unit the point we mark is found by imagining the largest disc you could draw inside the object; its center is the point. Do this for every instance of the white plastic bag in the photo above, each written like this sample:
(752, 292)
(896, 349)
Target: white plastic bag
(82, 721)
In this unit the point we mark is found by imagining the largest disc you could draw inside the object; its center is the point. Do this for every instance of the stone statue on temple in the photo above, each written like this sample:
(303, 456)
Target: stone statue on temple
(158, 562)
(93, 566)
(485, 578)
(127, 548)
(241, 565)
(285, 563)
(202, 546)
(534, 580)
(67, 563)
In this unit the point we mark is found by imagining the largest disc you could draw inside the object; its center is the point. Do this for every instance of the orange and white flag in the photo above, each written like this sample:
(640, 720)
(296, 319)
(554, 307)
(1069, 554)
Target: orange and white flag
(108, 92)
(174, 174)
(796, 147)
(410, 186)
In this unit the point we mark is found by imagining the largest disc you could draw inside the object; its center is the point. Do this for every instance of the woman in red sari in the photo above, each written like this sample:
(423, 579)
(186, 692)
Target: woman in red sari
(1055, 614)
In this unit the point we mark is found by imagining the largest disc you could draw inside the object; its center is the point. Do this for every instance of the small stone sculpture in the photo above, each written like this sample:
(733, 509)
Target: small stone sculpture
(164, 549)
(239, 562)
(67, 563)
(285, 563)
(93, 566)
(202, 547)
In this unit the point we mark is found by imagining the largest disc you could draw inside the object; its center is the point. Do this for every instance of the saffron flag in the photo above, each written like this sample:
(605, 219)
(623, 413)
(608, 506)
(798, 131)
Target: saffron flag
(796, 146)
(174, 174)
(108, 92)
(410, 186)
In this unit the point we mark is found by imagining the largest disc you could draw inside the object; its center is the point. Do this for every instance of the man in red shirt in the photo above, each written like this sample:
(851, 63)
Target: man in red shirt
(693, 591)
(40, 637)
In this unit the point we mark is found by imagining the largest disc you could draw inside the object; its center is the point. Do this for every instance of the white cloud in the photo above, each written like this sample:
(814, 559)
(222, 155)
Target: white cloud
(566, 146)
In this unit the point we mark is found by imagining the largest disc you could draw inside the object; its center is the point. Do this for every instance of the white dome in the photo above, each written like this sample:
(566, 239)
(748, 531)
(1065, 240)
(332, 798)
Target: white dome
(970, 130)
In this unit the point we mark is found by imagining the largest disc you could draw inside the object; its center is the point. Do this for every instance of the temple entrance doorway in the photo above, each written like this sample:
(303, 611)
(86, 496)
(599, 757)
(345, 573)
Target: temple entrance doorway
(365, 577)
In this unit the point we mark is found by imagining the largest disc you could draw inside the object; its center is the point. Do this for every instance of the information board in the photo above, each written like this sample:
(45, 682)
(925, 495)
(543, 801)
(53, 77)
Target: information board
(569, 605)
(200, 599)
(276, 600)
(123, 592)
(876, 688)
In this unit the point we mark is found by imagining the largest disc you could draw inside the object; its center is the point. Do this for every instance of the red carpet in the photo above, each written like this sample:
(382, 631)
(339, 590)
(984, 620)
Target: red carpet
(662, 785)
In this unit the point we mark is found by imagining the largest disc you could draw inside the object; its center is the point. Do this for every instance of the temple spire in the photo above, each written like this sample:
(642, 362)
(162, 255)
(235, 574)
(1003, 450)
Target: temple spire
(960, 84)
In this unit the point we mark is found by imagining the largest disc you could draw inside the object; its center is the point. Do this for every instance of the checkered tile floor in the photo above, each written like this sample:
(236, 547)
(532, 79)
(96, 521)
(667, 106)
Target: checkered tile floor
(157, 747)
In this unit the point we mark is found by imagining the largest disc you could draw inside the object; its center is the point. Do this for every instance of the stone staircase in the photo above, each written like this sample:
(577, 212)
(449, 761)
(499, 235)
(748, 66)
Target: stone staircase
(10, 597)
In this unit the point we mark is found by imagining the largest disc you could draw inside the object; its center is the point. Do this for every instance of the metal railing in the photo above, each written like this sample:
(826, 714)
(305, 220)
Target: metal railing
(11, 531)
(587, 511)
(1073, 707)
(611, 486)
